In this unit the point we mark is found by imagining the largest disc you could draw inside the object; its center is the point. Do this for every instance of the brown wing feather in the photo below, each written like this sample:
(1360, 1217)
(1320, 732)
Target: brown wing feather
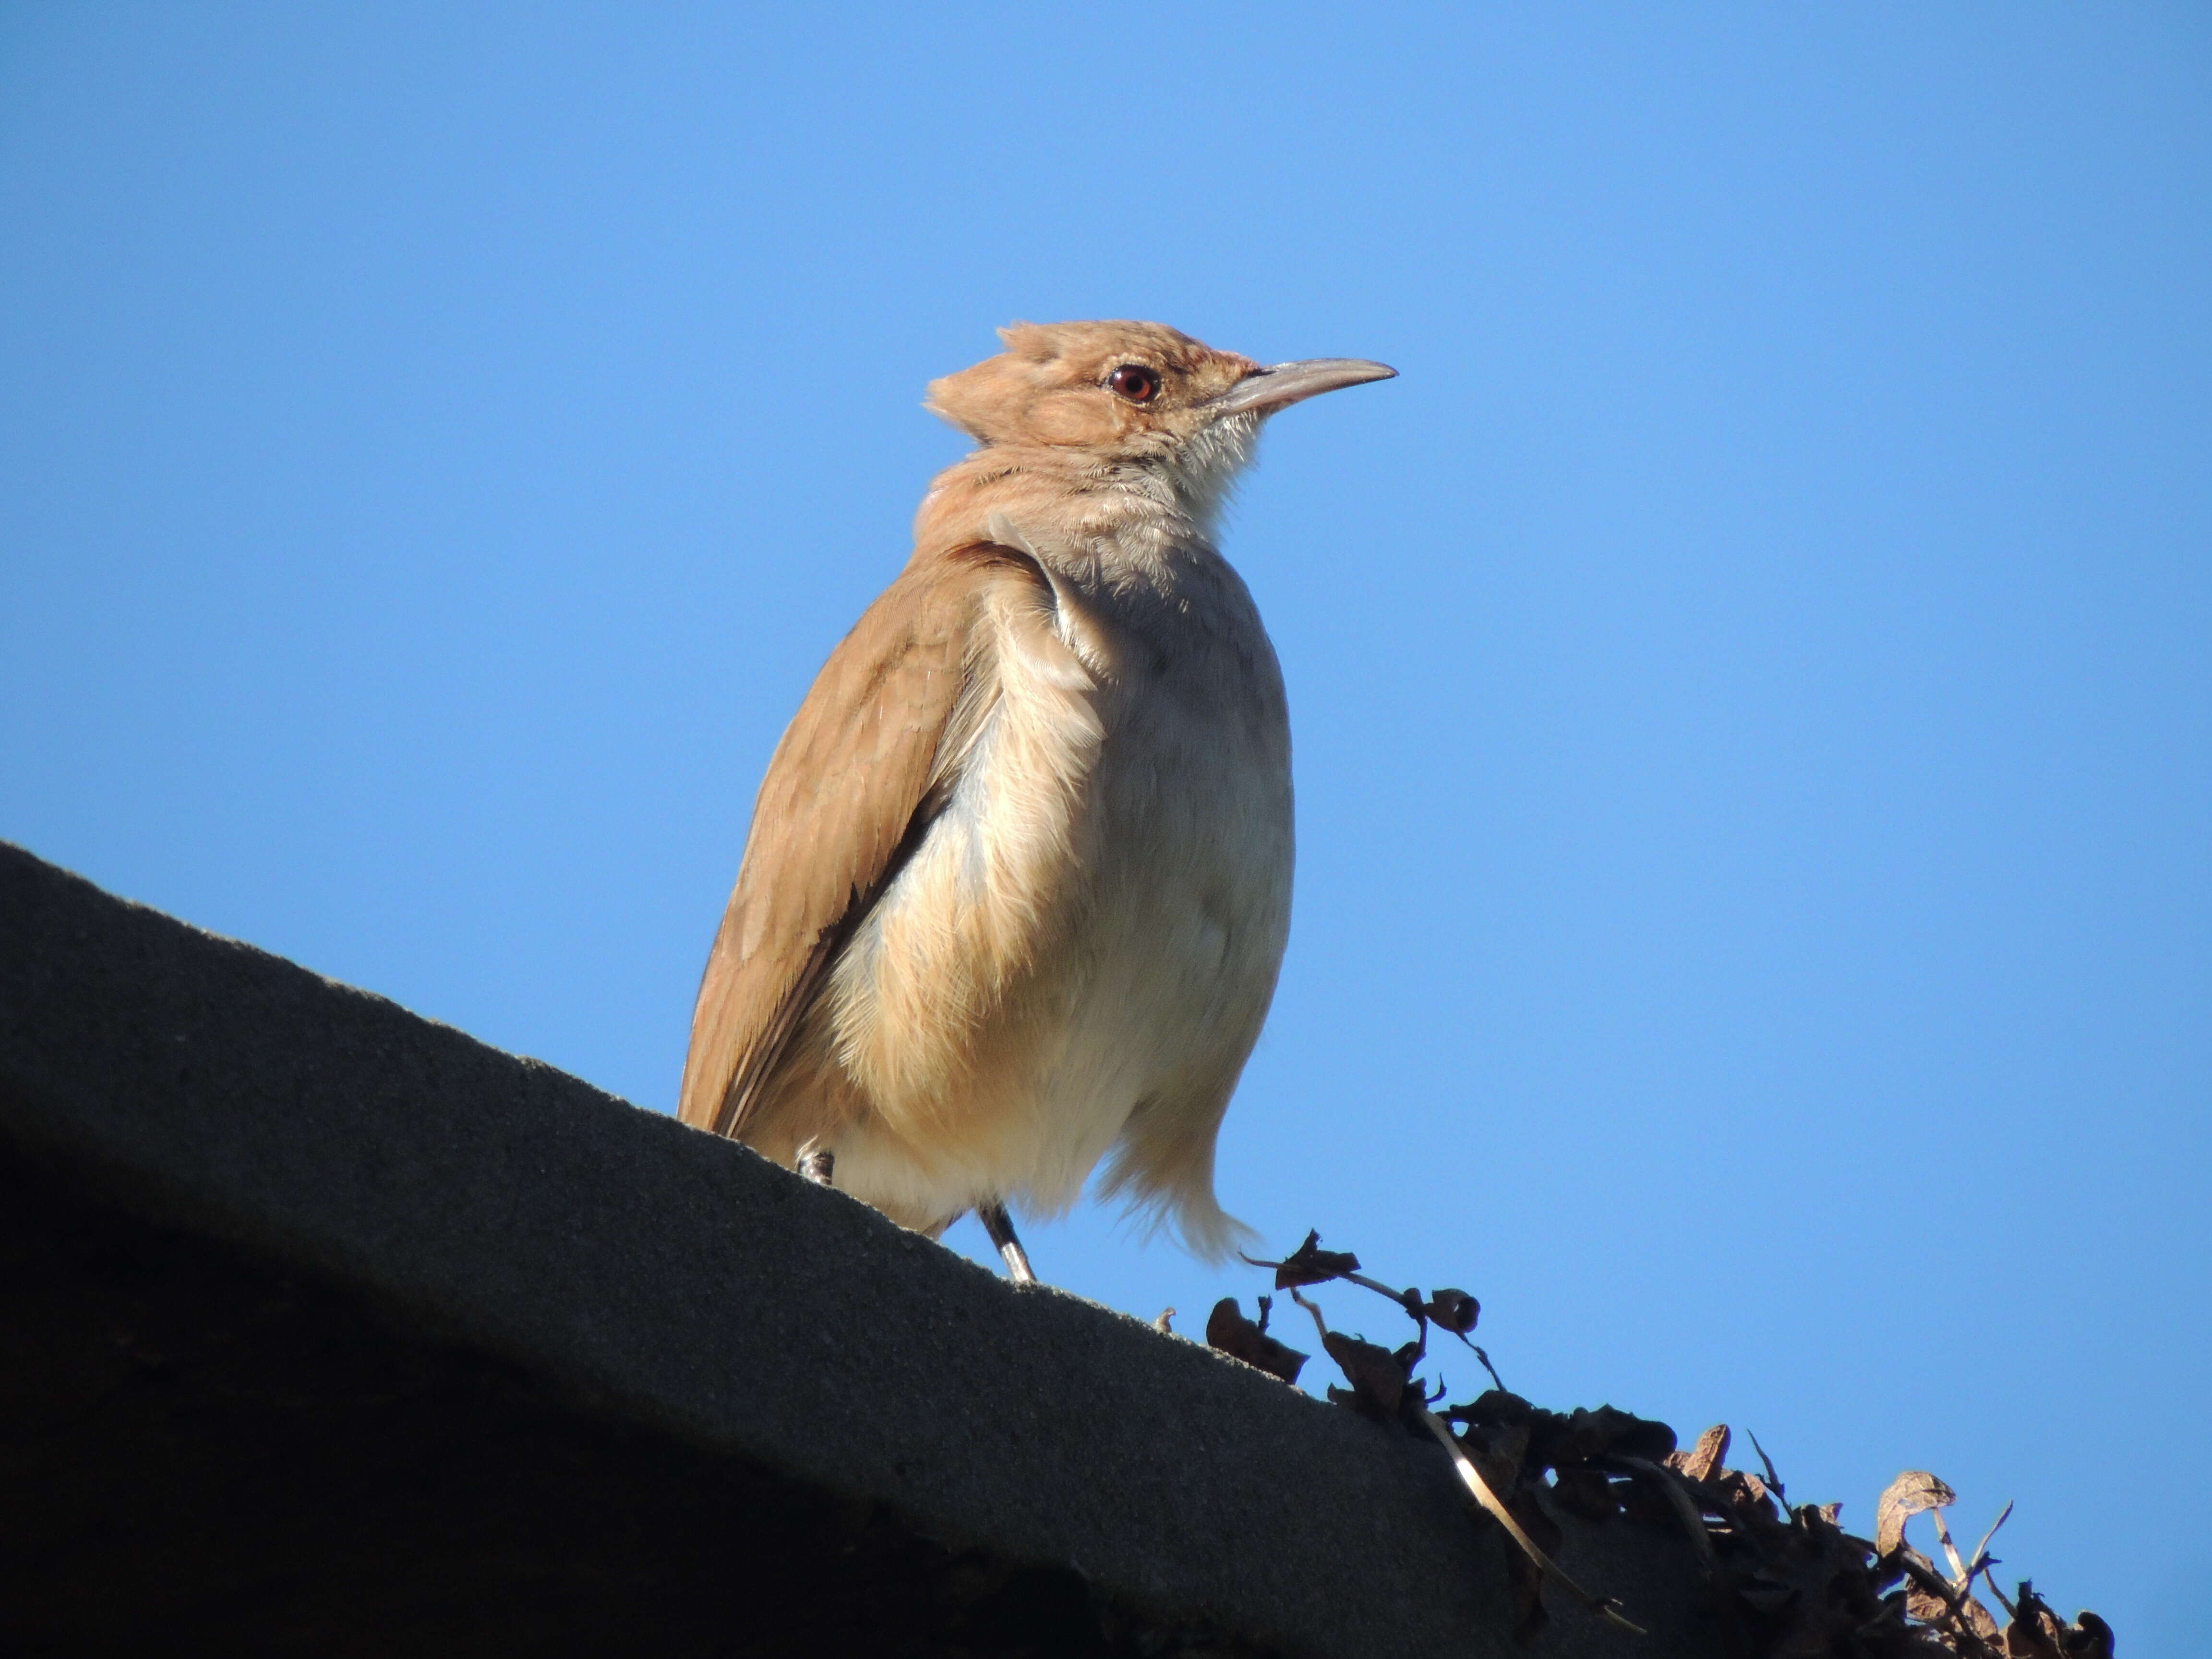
(851, 790)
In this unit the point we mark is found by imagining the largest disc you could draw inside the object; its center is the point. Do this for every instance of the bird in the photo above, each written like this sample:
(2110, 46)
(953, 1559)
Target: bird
(1017, 886)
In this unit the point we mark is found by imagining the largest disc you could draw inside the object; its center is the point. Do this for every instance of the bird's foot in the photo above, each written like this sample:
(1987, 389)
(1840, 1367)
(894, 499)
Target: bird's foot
(1001, 1226)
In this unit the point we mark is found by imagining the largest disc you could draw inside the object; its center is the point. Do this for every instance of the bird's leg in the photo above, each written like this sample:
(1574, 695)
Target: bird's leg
(1000, 1226)
(817, 1163)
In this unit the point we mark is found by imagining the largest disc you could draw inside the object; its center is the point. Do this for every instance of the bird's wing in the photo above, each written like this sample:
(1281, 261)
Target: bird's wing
(862, 770)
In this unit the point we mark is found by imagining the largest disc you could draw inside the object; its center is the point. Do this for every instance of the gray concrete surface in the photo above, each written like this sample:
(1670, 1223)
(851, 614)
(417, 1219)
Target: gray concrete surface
(406, 1197)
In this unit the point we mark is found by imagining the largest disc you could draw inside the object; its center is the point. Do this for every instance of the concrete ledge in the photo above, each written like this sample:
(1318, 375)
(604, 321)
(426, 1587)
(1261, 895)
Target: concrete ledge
(329, 1329)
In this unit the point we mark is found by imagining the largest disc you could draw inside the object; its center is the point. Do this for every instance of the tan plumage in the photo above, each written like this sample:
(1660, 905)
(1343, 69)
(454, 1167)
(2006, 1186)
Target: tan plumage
(1018, 882)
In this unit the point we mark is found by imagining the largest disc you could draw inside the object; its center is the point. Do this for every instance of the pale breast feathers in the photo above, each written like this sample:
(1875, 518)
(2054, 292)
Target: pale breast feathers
(958, 663)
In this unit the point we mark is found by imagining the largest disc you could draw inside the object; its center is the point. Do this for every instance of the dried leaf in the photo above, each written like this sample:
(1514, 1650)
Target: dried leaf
(1603, 1432)
(1977, 1618)
(1452, 1310)
(1746, 1494)
(1493, 1406)
(1501, 1452)
(2037, 1632)
(1378, 1381)
(1640, 1436)
(2034, 1631)
(1926, 1605)
(1805, 1589)
(1230, 1332)
(1791, 1585)
(2091, 1637)
(1310, 1264)
(1912, 1492)
(1703, 1460)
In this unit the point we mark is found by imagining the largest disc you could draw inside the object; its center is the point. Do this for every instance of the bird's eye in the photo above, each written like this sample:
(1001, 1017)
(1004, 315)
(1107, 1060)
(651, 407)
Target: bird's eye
(1138, 385)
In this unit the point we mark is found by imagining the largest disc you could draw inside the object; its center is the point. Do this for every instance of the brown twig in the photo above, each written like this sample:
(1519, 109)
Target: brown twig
(1319, 1324)
(1409, 1302)
(1604, 1606)
(1990, 1579)
(1954, 1596)
(1773, 1481)
(1958, 1573)
(1484, 1359)
(1979, 1561)
(1937, 1612)
(1380, 1289)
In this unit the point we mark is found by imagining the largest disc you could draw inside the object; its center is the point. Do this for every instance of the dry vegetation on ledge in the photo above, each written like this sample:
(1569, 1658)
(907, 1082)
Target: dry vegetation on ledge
(1786, 1581)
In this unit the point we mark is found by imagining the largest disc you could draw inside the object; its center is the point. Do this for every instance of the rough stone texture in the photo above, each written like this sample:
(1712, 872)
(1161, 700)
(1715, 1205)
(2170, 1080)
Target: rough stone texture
(326, 1329)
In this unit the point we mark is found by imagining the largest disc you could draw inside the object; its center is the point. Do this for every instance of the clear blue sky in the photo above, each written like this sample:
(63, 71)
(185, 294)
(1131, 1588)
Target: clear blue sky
(1752, 675)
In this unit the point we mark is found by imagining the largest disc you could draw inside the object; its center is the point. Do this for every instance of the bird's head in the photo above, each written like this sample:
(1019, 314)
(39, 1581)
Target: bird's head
(1134, 394)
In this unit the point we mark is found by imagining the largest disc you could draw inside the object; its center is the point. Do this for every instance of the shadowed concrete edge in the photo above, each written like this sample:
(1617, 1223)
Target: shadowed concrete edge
(657, 1275)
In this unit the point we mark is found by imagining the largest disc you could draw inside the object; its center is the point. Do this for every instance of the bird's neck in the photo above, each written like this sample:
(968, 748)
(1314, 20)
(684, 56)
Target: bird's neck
(1108, 521)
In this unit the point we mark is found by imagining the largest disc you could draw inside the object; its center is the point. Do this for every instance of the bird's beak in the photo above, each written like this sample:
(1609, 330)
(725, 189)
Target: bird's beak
(1267, 390)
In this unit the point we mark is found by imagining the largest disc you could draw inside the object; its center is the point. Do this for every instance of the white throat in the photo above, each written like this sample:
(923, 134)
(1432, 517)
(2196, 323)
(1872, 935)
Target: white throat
(1203, 471)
